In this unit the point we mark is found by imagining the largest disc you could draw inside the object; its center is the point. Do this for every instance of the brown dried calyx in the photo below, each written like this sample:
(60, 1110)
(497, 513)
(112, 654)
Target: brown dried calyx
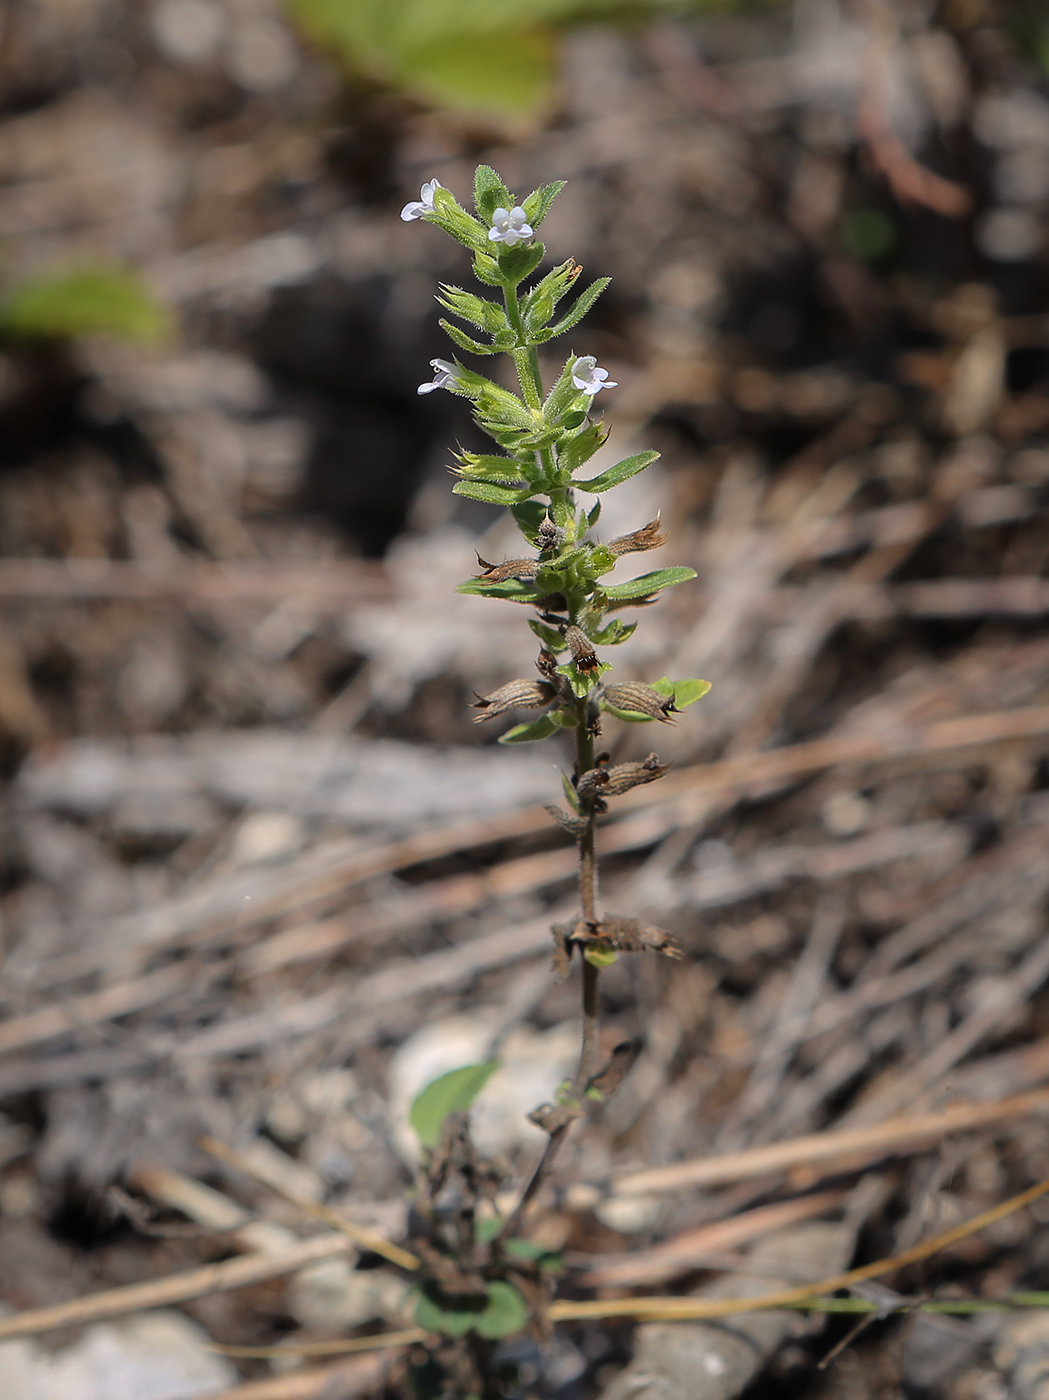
(515, 695)
(547, 666)
(648, 537)
(641, 699)
(523, 569)
(603, 781)
(612, 933)
(549, 535)
(583, 653)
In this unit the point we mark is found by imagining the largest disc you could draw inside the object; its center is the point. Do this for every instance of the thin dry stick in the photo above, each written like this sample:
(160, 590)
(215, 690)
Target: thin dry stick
(904, 1134)
(346, 1380)
(336, 1348)
(176, 1288)
(367, 1239)
(681, 1309)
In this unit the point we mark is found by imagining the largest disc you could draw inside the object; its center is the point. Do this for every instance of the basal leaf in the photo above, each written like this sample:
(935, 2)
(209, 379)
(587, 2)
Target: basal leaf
(451, 1093)
(622, 471)
(649, 583)
(450, 1315)
(506, 1313)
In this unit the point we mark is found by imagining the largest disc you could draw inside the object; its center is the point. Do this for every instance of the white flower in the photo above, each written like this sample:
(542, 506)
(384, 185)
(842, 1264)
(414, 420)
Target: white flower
(424, 204)
(444, 375)
(509, 227)
(588, 379)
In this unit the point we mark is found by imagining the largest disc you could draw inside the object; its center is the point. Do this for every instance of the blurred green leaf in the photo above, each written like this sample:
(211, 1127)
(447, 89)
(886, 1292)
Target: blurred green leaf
(60, 305)
(451, 1093)
(506, 1313)
(685, 692)
(649, 583)
(531, 731)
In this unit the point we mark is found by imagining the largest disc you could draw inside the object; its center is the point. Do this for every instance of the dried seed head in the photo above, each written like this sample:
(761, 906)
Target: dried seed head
(625, 776)
(642, 700)
(547, 663)
(515, 695)
(591, 784)
(510, 568)
(625, 935)
(583, 653)
(648, 537)
(549, 535)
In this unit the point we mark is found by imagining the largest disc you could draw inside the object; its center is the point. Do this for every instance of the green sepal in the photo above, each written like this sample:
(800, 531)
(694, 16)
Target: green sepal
(492, 492)
(564, 396)
(490, 193)
(516, 263)
(594, 516)
(622, 471)
(649, 583)
(532, 731)
(537, 204)
(512, 588)
(538, 305)
(602, 560)
(572, 454)
(685, 692)
(453, 1092)
(571, 796)
(627, 716)
(582, 304)
(484, 466)
(450, 216)
(573, 420)
(486, 270)
(613, 634)
(479, 311)
(549, 636)
(536, 442)
(467, 342)
(529, 516)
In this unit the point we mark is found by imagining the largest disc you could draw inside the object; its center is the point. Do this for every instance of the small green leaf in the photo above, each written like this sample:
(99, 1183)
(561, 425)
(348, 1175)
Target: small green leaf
(513, 588)
(583, 682)
(600, 957)
(492, 492)
(614, 633)
(685, 692)
(649, 583)
(448, 1315)
(506, 1313)
(571, 796)
(483, 466)
(573, 420)
(572, 454)
(622, 471)
(85, 301)
(516, 263)
(451, 1093)
(551, 639)
(529, 516)
(532, 731)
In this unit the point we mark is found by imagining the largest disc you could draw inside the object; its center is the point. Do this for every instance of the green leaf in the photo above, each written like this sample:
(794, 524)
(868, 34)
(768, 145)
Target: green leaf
(649, 583)
(490, 193)
(551, 639)
(101, 300)
(512, 588)
(492, 493)
(486, 270)
(571, 796)
(529, 516)
(594, 516)
(450, 1315)
(614, 633)
(451, 1093)
(627, 716)
(583, 682)
(485, 315)
(685, 692)
(506, 1313)
(531, 732)
(516, 263)
(573, 420)
(622, 471)
(484, 466)
(582, 304)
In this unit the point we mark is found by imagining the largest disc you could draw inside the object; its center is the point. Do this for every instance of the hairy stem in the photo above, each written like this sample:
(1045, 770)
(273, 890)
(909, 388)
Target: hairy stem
(588, 904)
(526, 359)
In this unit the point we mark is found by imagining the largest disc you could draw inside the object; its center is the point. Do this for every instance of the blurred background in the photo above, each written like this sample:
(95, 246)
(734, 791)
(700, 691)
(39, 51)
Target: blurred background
(235, 678)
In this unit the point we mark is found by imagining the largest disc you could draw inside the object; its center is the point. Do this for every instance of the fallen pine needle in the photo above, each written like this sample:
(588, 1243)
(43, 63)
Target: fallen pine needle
(335, 1348)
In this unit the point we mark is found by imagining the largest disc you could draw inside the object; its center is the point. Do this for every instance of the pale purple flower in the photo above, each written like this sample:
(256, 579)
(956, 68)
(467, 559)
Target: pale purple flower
(510, 226)
(444, 376)
(588, 379)
(424, 204)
